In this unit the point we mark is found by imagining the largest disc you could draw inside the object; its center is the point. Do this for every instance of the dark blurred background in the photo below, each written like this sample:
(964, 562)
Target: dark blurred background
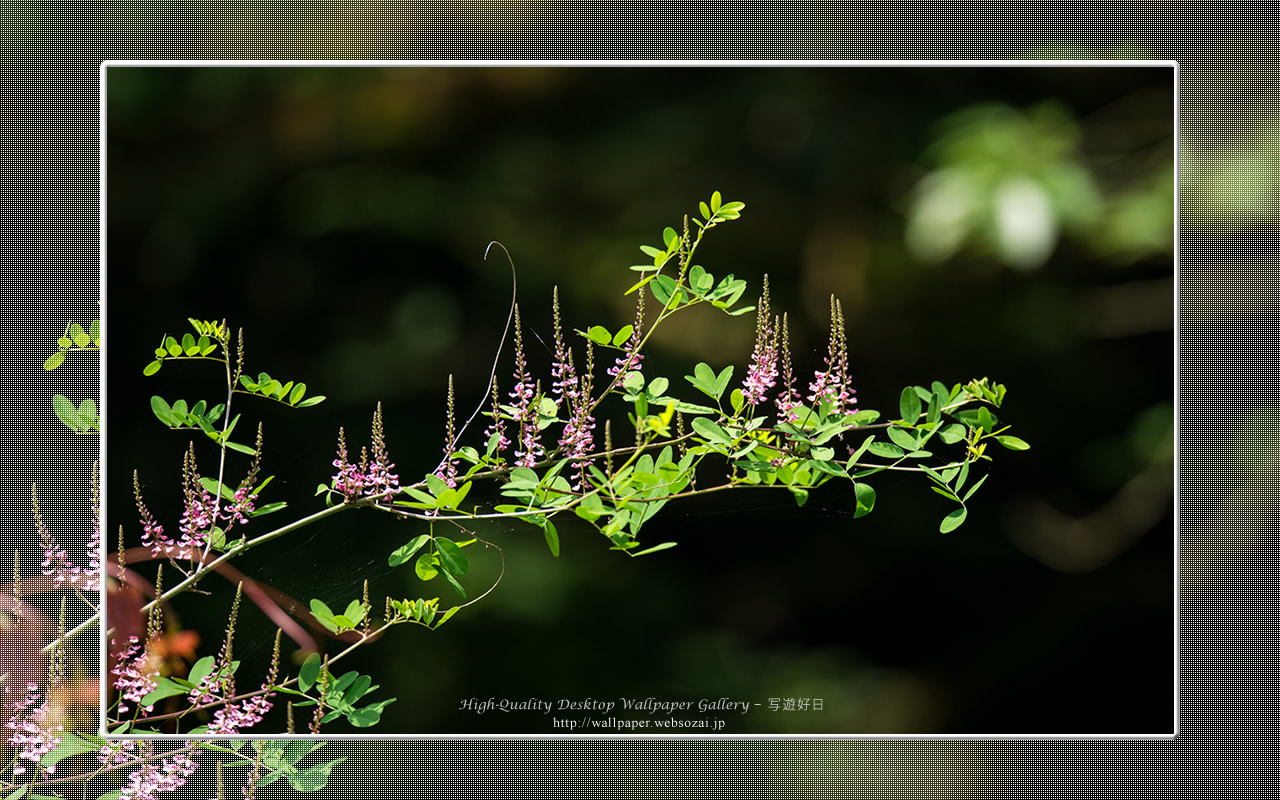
(1009, 222)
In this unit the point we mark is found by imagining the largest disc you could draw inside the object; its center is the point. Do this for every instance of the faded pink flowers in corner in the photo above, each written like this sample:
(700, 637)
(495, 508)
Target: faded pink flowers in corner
(34, 734)
(56, 563)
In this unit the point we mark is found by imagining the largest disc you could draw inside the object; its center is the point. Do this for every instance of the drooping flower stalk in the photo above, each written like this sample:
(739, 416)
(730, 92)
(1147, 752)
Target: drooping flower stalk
(153, 534)
(55, 563)
(762, 374)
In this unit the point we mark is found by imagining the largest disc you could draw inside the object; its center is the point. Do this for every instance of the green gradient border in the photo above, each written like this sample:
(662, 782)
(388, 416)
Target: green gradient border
(50, 272)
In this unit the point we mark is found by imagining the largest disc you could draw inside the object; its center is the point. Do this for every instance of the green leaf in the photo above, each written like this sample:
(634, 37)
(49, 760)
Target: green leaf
(297, 393)
(21, 792)
(451, 557)
(655, 549)
(935, 408)
(663, 287)
(599, 334)
(188, 343)
(321, 611)
(952, 433)
(79, 336)
(313, 778)
(737, 400)
(715, 202)
(422, 496)
(903, 439)
(670, 237)
(953, 520)
(406, 551)
(66, 412)
(71, 745)
(164, 688)
(161, 409)
(623, 334)
(974, 488)
(179, 411)
(425, 566)
(213, 487)
(269, 508)
(885, 450)
(829, 468)
(457, 587)
(722, 380)
(436, 485)
(866, 497)
(147, 371)
(54, 361)
(711, 431)
(909, 405)
(552, 536)
(1013, 443)
(706, 212)
(201, 669)
(247, 450)
(986, 420)
(311, 401)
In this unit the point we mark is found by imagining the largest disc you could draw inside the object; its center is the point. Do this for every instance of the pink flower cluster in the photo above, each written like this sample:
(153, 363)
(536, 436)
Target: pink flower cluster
(832, 384)
(200, 511)
(169, 775)
(631, 358)
(573, 393)
(525, 399)
(763, 372)
(235, 717)
(135, 675)
(33, 736)
(368, 478)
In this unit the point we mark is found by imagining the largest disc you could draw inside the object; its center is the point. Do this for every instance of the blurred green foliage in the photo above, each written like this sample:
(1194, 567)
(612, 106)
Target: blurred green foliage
(1012, 222)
